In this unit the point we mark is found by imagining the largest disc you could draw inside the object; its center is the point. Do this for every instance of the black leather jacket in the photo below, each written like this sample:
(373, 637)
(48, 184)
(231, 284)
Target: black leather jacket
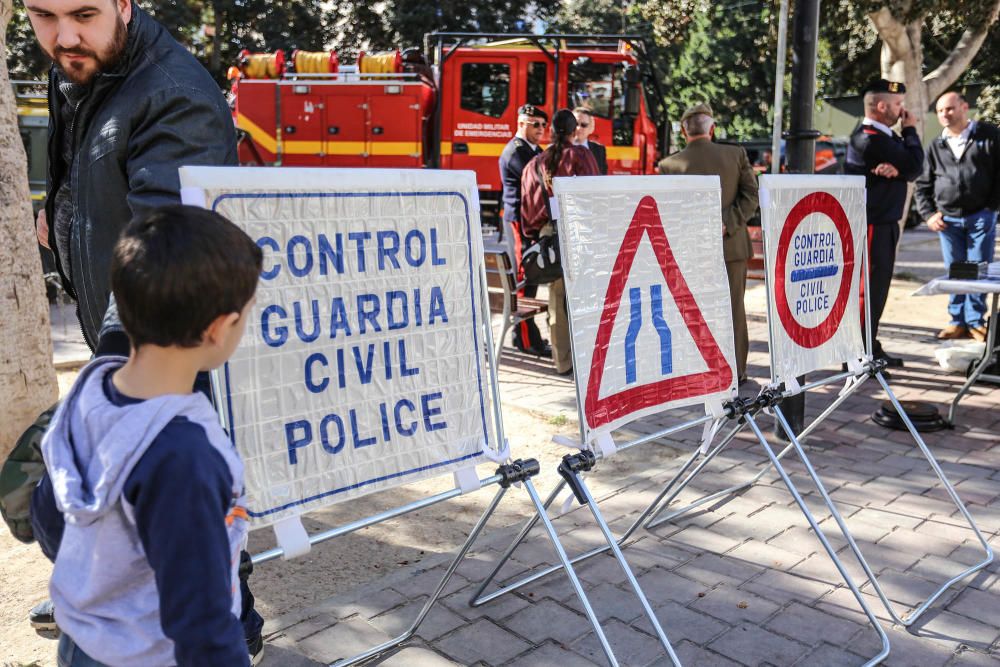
(156, 111)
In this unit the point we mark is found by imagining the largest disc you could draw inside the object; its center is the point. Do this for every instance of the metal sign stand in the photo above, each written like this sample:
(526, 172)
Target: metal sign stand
(518, 472)
(872, 368)
(740, 410)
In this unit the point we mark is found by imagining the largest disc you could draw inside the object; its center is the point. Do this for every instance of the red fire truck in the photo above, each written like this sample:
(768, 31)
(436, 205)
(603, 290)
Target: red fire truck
(451, 106)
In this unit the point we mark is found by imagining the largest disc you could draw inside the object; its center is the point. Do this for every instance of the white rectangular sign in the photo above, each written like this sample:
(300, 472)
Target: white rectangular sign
(363, 365)
(815, 235)
(647, 294)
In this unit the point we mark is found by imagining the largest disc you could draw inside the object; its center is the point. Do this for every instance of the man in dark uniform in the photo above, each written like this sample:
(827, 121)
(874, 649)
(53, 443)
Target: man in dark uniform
(887, 161)
(585, 128)
(516, 154)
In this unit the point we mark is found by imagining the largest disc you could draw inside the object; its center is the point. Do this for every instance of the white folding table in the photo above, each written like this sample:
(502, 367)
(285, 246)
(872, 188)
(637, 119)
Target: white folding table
(945, 285)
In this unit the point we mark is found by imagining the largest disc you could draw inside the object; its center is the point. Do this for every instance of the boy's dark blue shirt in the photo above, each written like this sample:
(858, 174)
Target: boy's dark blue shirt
(181, 492)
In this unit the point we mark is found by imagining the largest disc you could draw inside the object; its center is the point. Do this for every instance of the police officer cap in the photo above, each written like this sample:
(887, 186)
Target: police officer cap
(700, 107)
(884, 86)
(531, 111)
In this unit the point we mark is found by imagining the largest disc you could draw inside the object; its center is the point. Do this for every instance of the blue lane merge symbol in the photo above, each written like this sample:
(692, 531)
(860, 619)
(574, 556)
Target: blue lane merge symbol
(635, 324)
(799, 275)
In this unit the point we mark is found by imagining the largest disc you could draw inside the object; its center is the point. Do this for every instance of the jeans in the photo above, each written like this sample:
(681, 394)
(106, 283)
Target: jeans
(968, 239)
(69, 654)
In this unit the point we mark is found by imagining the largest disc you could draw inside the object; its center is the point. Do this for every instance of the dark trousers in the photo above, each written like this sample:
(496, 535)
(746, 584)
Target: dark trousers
(882, 240)
(736, 271)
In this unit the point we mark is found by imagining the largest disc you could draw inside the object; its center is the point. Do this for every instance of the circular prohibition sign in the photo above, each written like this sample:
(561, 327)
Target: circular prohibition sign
(827, 204)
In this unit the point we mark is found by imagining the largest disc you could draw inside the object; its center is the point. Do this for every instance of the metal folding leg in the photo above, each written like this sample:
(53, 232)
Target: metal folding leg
(741, 409)
(881, 655)
(478, 598)
(657, 519)
(570, 469)
(916, 613)
(977, 372)
(517, 472)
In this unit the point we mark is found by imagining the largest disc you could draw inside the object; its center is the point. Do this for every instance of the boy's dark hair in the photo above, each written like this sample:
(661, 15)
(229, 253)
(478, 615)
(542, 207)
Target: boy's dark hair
(178, 269)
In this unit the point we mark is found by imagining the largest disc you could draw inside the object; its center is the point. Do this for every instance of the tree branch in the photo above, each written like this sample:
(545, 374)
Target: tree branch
(892, 31)
(961, 56)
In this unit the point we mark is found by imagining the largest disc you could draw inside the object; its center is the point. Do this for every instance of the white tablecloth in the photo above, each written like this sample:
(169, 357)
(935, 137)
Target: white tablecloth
(945, 285)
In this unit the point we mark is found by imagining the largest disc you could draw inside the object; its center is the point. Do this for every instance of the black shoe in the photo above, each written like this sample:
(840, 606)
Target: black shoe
(880, 355)
(890, 361)
(544, 350)
(255, 647)
(43, 616)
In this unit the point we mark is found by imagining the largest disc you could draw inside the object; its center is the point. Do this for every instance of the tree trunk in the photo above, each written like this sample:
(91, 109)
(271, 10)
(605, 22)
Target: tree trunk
(902, 59)
(27, 377)
(903, 56)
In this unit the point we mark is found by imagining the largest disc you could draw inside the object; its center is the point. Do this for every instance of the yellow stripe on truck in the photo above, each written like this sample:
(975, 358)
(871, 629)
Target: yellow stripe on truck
(259, 136)
(409, 148)
(476, 148)
(267, 141)
(623, 152)
(345, 147)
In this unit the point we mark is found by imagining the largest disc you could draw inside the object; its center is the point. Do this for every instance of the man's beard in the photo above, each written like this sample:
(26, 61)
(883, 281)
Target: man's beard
(106, 62)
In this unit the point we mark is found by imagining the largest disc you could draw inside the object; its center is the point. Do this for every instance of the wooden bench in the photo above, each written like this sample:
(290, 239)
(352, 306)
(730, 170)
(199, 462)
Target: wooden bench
(502, 285)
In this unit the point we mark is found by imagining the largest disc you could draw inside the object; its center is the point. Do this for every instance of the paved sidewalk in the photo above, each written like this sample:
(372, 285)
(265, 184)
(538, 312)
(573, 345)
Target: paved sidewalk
(743, 582)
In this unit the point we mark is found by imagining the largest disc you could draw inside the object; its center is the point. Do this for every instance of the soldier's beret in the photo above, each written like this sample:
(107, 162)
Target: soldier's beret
(700, 107)
(884, 86)
(531, 111)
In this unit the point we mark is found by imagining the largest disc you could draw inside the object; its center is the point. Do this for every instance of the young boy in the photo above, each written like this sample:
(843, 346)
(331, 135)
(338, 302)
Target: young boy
(146, 488)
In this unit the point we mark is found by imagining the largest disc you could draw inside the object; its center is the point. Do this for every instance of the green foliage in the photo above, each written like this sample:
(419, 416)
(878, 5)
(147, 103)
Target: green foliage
(403, 23)
(988, 104)
(728, 61)
(263, 25)
(847, 34)
(25, 60)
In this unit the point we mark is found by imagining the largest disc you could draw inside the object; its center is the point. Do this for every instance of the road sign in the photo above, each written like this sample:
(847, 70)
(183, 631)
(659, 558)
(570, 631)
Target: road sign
(647, 293)
(363, 364)
(814, 231)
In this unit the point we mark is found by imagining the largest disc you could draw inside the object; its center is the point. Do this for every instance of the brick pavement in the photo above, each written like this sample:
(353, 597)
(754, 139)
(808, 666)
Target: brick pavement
(740, 582)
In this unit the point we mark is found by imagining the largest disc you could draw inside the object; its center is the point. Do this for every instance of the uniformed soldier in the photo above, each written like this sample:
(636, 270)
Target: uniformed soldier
(703, 157)
(887, 161)
(531, 122)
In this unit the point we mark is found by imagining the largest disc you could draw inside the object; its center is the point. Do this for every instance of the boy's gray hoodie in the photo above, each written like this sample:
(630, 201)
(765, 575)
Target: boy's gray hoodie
(103, 587)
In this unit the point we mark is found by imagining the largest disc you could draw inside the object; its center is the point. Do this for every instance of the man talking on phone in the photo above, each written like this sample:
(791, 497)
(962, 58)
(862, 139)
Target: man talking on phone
(887, 161)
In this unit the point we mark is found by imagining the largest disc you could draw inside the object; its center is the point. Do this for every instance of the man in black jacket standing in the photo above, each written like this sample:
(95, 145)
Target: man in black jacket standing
(958, 196)
(585, 128)
(887, 161)
(523, 146)
(128, 105)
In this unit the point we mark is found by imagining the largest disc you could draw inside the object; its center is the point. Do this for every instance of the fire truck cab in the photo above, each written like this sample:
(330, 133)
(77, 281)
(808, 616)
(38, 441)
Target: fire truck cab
(454, 106)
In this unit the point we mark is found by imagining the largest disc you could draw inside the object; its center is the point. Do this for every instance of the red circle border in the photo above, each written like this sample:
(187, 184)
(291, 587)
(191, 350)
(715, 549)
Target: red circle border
(827, 204)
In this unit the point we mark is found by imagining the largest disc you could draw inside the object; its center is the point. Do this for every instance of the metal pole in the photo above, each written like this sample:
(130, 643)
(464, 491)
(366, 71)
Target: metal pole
(801, 141)
(779, 88)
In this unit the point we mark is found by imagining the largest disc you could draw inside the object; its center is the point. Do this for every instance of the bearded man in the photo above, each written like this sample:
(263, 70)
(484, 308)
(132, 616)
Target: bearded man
(128, 105)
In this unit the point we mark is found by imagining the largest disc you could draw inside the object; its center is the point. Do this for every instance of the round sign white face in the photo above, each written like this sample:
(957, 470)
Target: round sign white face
(815, 259)
(814, 270)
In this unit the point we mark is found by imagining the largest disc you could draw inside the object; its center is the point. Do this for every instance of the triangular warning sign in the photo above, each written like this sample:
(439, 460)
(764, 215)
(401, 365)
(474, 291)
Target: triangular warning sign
(718, 377)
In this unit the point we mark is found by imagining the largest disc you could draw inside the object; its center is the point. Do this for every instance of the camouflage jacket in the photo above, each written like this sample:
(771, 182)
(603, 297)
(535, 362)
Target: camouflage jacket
(20, 475)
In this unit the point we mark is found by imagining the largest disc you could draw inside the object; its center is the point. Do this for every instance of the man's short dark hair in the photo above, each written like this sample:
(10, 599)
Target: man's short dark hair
(178, 269)
(961, 97)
